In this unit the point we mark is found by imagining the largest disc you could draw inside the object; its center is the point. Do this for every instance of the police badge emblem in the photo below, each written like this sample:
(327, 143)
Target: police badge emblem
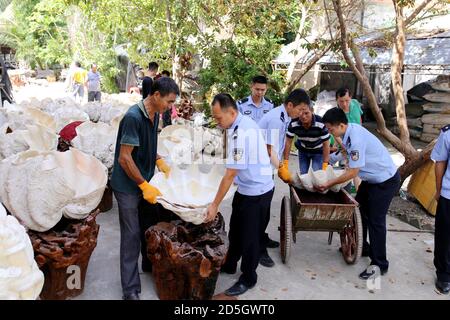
(354, 155)
(237, 154)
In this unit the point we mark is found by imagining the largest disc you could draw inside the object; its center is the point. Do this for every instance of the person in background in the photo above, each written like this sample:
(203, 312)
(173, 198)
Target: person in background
(93, 84)
(147, 81)
(313, 139)
(353, 111)
(167, 115)
(256, 105)
(78, 82)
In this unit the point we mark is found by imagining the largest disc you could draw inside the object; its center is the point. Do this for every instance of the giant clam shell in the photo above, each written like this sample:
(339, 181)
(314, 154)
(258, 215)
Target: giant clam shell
(188, 192)
(98, 140)
(39, 187)
(313, 179)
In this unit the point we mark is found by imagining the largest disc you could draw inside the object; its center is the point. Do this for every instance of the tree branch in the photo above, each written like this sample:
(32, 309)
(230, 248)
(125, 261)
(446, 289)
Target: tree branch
(362, 78)
(311, 62)
(414, 14)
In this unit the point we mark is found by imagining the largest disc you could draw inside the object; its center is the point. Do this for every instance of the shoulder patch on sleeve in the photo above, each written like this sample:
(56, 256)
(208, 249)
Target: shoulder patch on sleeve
(444, 129)
(268, 100)
(282, 117)
(243, 101)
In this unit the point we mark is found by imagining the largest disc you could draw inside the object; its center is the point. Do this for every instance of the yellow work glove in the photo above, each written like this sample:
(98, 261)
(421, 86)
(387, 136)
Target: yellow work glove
(163, 167)
(283, 172)
(149, 192)
(324, 166)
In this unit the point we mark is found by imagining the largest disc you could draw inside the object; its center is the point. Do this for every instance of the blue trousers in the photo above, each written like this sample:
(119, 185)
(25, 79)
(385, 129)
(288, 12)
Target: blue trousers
(305, 159)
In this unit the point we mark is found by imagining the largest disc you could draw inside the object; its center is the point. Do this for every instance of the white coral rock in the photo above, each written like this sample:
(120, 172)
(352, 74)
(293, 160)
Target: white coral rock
(20, 277)
(39, 187)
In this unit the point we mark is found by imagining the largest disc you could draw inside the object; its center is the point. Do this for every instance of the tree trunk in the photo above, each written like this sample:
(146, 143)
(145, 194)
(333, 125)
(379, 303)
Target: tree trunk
(306, 67)
(414, 159)
(412, 164)
(298, 37)
(398, 55)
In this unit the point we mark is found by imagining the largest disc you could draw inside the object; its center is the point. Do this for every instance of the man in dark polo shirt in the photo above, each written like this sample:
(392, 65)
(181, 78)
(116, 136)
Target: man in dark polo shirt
(134, 165)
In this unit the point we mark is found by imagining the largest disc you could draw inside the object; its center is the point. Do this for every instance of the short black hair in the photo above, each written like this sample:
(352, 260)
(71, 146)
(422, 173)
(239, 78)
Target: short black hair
(342, 92)
(335, 116)
(165, 73)
(78, 64)
(153, 66)
(298, 96)
(259, 79)
(225, 101)
(165, 86)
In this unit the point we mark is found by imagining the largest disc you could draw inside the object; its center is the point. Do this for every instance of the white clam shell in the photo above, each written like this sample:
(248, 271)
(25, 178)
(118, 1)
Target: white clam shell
(20, 277)
(188, 192)
(313, 179)
(39, 187)
(98, 140)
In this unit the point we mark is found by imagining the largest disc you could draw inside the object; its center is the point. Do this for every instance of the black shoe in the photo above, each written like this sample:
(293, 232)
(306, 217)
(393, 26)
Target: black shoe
(442, 286)
(131, 296)
(366, 275)
(227, 270)
(272, 244)
(266, 261)
(237, 289)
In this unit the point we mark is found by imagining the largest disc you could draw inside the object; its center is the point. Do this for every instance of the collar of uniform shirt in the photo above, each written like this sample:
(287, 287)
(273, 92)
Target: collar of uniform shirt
(347, 134)
(236, 121)
(253, 103)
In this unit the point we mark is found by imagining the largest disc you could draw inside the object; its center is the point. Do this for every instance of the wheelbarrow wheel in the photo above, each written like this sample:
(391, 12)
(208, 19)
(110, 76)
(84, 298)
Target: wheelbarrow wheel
(351, 239)
(285, 230)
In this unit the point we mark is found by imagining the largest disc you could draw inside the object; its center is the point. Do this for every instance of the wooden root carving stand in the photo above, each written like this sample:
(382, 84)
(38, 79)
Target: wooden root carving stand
(63, 254)
(186, 258)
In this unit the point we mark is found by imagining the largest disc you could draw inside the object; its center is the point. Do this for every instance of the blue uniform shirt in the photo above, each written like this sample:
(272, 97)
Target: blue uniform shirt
(247, 153)
(368, 154)
(274, 125)
(441, 153)
(248, 108)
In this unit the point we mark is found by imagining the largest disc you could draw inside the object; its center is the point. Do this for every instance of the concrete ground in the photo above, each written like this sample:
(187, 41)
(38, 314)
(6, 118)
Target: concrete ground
(315, 270)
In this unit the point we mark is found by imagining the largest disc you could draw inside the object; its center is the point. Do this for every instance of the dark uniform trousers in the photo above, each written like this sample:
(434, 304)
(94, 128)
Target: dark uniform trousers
(374, 201)
(265, 235)
(136, 215)
(442, 240)
(247, 226)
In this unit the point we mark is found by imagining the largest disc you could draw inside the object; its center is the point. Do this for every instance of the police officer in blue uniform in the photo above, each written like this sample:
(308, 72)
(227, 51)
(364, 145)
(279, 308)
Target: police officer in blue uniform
(440, 155)
(274, 125)
(248, 165)
(369, 160)
(256, 105)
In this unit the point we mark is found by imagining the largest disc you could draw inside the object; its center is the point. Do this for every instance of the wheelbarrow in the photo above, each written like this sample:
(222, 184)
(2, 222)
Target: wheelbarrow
(330, 212)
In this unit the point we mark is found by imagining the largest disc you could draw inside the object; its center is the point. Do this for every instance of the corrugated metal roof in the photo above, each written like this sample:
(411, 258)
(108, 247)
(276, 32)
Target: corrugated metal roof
(430, 51)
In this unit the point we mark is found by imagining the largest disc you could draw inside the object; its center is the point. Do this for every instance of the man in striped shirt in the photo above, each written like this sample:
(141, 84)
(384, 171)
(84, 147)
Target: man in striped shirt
(313, 139)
